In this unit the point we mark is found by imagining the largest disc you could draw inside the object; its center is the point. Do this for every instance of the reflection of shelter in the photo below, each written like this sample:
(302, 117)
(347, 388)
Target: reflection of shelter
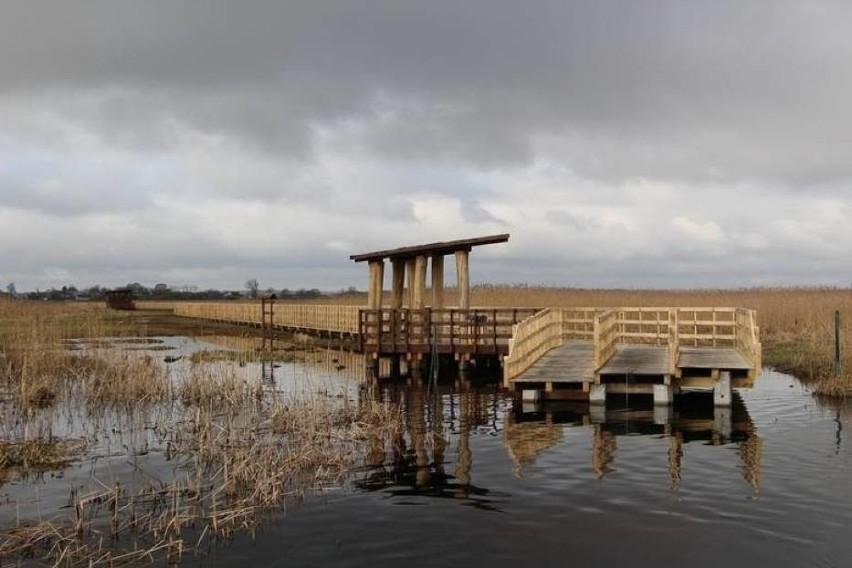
(121, 299)
(415, 465)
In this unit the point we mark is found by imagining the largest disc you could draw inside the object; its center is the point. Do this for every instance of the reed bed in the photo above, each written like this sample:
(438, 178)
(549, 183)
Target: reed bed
(239, 451)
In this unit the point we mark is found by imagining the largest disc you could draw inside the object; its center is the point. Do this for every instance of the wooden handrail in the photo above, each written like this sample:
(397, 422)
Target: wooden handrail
(606, 337)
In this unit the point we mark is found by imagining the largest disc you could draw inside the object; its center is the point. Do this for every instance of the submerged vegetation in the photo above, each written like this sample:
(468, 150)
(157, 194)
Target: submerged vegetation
(222, 449)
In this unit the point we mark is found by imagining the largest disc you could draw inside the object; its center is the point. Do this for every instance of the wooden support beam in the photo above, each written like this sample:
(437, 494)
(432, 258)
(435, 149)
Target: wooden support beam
(398, 284)
(438, 281)
(419, 295)
(374, 292)
(409, 270)
(463, 278)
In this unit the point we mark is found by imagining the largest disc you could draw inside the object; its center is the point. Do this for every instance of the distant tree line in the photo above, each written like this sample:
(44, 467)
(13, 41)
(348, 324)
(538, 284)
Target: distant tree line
(70, 293)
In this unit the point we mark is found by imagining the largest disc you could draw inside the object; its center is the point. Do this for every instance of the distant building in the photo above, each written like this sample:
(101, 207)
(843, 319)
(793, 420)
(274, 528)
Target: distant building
(121, 299)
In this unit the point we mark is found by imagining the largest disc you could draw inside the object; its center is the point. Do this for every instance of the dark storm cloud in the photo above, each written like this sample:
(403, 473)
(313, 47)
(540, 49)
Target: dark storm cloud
(661, 142)
(669, 89)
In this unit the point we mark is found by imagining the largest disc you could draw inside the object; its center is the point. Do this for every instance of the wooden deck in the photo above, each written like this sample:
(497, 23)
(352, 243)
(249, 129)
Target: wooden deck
(655, 351)
(726, 359)
(572, 362)
(638, 360)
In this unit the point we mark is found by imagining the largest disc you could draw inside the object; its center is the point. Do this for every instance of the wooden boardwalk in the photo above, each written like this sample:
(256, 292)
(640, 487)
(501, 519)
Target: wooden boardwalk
(559, 352)
(571, 354)
(572, 363)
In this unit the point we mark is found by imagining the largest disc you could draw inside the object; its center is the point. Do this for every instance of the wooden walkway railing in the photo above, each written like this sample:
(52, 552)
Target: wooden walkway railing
(522, 335)
(549, 328)
(609, 328)
(308, 317)
(477, 331)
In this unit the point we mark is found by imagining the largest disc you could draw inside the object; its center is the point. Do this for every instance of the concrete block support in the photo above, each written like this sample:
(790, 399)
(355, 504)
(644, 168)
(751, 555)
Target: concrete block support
(722, 390)
(663, 395)
(530, 395)
(597, 395)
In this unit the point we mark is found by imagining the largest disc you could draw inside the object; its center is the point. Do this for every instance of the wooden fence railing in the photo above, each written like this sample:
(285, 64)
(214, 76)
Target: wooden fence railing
(644, 325)
(446, 330)
(546, 330)
(309, 317)
(673, 342)
(606, 336)
(525, 334)
(669, 327)
(748, 336)
(707, 327)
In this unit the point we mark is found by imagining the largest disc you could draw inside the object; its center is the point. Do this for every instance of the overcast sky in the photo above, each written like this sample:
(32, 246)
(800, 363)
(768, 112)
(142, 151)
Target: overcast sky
(621, 143)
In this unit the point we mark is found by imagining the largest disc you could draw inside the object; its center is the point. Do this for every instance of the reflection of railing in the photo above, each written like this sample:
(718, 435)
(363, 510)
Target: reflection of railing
(547, 329)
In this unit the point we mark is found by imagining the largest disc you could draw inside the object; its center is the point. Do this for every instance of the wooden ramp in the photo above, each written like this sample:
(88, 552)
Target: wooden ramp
(638, 360)
(573, 362)
(712, 358)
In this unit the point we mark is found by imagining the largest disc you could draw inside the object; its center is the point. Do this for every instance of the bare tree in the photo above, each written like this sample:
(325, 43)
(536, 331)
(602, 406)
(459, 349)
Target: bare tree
(253, 286)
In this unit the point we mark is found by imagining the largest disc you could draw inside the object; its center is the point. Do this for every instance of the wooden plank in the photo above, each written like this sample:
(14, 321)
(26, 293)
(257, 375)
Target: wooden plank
(638, 360)
(445, 247)
(570, 363)
(712, 358)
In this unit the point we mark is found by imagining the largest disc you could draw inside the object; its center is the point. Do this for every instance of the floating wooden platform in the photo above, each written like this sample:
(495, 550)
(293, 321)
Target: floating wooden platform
(638, 360)
(561, 353)
(570, 363)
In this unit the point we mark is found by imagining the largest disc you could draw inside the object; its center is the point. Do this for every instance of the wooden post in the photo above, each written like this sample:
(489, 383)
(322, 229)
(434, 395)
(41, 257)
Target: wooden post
(398, 284)
(419, 295)
(377, 276)
(409, 270)
(463, 279)
(438, 281)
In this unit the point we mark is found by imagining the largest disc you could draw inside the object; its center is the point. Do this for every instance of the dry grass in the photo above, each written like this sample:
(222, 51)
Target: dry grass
(240, 451)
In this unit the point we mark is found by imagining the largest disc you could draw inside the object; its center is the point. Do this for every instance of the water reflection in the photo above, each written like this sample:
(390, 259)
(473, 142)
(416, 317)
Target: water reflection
(433, 454)
(437, 421)
(531, 431)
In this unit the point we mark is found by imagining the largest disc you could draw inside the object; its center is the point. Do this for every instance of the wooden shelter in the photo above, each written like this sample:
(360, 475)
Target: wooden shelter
(409, 267)
(121, 299)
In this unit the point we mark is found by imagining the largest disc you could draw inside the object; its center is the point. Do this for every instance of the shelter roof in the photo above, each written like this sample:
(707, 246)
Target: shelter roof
(446, 247)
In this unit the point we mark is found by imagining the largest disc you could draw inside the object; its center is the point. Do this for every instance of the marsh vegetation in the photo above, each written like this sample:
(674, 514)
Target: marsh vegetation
(169, 445)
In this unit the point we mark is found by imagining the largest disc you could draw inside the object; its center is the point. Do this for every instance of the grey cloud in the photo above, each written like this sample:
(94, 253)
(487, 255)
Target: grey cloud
(663, 89)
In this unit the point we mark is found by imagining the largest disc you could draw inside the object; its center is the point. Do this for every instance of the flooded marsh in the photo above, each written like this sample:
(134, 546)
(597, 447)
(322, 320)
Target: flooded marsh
(174, 449)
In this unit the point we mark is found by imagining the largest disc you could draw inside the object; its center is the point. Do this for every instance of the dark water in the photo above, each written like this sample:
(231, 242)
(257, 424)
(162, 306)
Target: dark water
(482, 483)
(476, 480)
